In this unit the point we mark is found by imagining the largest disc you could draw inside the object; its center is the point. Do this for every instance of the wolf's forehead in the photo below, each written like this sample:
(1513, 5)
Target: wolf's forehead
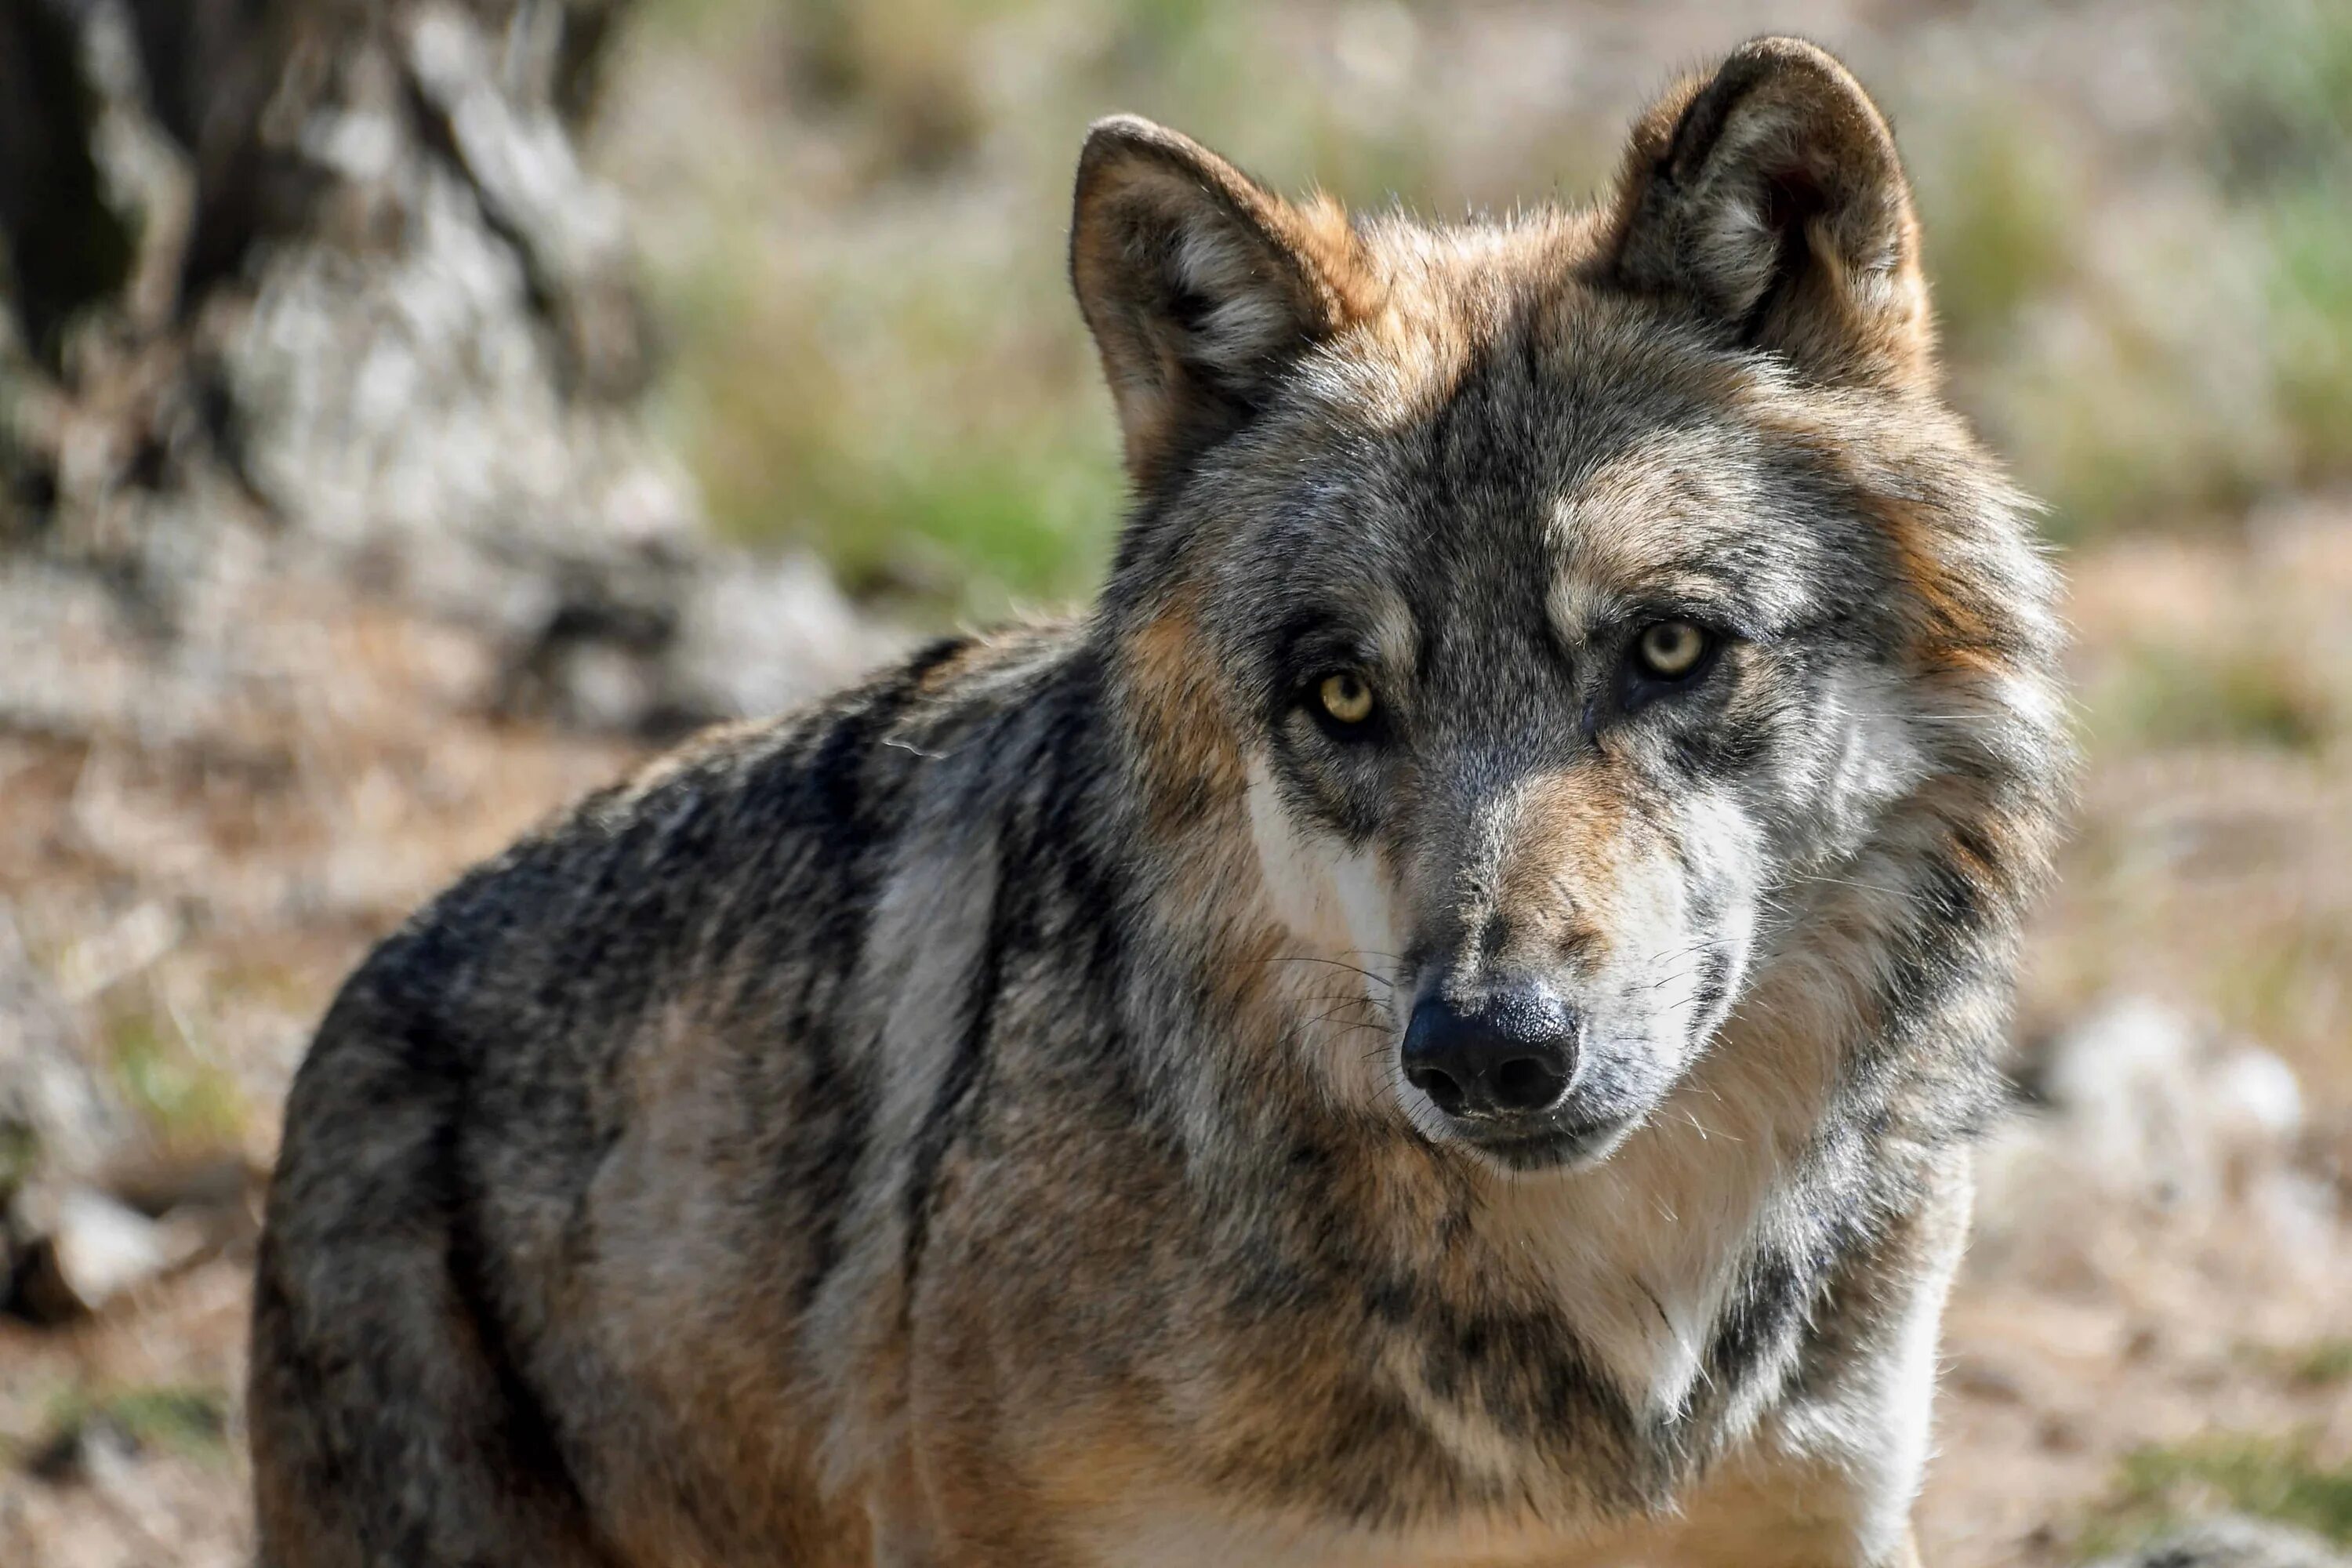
(1679, 517)
(1569, 443)
(1677, 522)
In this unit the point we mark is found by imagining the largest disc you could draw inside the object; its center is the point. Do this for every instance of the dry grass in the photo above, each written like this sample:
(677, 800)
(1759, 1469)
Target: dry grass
(2213, 863)
(2139, 216)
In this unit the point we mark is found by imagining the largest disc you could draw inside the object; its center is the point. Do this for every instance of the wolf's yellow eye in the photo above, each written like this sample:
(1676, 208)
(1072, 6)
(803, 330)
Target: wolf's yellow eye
(1670, 650)
(1346, 697)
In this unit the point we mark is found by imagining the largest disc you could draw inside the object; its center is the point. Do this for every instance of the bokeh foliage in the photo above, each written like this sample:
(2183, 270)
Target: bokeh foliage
(855, 237)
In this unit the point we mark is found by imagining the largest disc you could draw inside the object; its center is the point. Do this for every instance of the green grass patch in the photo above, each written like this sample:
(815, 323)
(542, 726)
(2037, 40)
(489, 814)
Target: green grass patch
(2280, 94)
(2321, 1365)
(1998, 211)
(982, 530)
(186, 1101)
(2171, 698)
(2279, 85)
(2281, 1478)
(20, 1151)
(929, 424)
(183, 1419)
(2310, 239)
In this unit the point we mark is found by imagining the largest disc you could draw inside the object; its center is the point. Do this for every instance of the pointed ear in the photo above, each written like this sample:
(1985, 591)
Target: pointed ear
(1770, 198)
(1200, 286)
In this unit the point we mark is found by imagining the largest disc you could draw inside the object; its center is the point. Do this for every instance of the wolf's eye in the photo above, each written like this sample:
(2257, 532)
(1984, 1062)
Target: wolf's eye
(1346, 697)
(1669, 650)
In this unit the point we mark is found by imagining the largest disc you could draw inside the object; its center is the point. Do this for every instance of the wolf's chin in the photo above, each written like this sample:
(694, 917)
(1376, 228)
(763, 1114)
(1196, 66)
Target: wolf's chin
(1552, 1152)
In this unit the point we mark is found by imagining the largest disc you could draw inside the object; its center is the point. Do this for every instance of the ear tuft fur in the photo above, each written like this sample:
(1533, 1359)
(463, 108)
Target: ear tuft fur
(1199, 284)
(1771, 198)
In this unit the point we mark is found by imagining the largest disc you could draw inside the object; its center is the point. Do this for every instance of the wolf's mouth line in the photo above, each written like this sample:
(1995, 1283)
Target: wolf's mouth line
(1558, 1139)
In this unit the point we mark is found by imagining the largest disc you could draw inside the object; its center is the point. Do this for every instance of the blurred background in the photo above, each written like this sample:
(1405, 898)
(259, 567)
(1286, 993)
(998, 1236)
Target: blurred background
(413, 410)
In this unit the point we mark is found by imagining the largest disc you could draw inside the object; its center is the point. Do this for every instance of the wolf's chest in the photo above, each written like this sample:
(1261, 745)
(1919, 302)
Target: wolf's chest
(1654, 1265)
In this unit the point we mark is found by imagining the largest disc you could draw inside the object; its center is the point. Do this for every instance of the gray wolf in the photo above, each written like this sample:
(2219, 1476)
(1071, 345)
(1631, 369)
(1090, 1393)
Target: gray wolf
(1439, 1023)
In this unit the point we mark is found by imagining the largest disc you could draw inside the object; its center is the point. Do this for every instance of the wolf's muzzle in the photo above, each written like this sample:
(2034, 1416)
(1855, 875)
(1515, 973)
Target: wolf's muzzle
(1509, 1057)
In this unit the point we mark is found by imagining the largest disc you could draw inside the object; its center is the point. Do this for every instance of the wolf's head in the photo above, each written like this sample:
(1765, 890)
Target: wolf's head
(1589, 616)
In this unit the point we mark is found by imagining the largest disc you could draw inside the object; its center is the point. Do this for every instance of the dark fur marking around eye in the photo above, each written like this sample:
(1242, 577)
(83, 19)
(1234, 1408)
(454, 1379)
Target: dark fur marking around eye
(1726, 746)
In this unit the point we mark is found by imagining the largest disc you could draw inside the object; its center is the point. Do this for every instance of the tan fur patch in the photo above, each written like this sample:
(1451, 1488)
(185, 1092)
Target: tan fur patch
(1953, 628)
(1577, 820)
(1179, 725)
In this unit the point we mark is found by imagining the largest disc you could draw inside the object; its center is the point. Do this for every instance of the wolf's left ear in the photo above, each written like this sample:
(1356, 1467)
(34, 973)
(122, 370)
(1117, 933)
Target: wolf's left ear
(1200, 285)
(1769, 197)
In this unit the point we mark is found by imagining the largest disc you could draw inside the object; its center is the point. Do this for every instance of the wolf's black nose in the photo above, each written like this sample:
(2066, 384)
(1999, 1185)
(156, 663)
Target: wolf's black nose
(1513, 1055)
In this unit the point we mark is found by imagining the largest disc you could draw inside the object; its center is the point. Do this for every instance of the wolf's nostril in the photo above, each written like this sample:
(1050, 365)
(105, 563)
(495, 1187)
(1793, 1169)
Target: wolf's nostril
(1524, 1083)
(1443, 1090)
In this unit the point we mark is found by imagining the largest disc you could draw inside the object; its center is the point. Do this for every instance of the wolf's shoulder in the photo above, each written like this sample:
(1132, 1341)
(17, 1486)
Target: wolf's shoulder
(760, 835)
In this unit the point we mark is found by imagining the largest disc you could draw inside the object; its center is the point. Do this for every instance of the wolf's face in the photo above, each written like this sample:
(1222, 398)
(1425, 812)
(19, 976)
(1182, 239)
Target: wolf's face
(1559, 598)
(1545, 686)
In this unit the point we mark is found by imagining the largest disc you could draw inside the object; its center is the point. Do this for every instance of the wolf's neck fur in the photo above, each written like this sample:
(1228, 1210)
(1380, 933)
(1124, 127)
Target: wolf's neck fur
(1645, 1251)
(1639, 1258)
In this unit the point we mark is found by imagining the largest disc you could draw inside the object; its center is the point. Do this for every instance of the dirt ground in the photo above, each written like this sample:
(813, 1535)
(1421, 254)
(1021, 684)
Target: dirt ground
(195, 901)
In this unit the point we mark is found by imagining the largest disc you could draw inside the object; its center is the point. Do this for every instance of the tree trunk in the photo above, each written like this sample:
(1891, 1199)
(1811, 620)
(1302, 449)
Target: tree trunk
(328, 274)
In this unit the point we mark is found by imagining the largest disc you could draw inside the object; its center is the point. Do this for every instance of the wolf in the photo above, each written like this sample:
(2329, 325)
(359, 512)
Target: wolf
(1439, 1023)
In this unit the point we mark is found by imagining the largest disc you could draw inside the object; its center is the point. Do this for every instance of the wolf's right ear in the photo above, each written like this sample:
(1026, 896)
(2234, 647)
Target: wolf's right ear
(1200, 285)
(1769, 197)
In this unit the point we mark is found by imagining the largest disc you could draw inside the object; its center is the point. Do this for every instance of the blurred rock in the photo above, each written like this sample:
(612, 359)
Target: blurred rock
(91, 1451)
(2139, 1102)
(56, 1116)
(91, 1250)
(2235, 1541)
(759, 635)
